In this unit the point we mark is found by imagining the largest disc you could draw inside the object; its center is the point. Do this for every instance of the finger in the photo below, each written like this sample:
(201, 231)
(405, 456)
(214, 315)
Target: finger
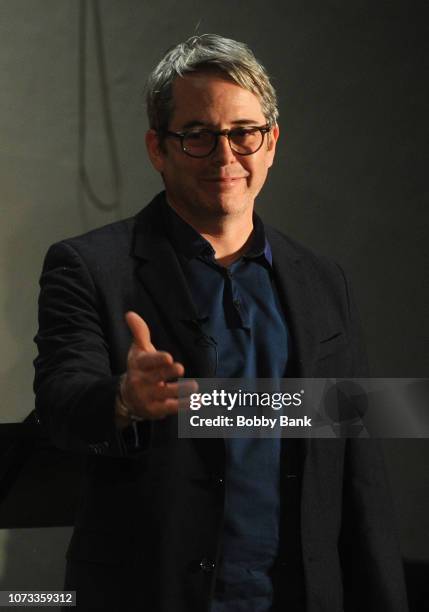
(170, 406)
(186, 387)
(174, 390)
(140, 331)
(184, 404)
(151, 361)
(164, 373)
(157, 410)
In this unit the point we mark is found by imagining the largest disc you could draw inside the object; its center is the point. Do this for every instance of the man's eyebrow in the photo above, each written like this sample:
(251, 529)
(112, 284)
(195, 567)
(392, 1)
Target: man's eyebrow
(192, 124)
(246, 122)
(203, 124)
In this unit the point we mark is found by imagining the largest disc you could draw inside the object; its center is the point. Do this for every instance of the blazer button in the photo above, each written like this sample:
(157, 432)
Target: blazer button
(217, 481)
(207, 565)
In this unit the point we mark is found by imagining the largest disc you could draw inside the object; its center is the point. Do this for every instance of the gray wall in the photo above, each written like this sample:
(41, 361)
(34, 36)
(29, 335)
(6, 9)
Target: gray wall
(349, 178)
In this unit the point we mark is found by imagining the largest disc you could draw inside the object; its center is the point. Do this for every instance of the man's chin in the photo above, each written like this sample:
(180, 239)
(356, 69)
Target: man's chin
(203, 206)
(224, 206)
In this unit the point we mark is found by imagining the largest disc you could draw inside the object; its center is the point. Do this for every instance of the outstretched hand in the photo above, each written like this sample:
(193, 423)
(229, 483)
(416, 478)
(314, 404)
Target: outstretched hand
(146, 389)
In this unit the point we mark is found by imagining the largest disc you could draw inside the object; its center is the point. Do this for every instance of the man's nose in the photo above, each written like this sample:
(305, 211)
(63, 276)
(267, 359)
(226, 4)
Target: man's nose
(223, 154)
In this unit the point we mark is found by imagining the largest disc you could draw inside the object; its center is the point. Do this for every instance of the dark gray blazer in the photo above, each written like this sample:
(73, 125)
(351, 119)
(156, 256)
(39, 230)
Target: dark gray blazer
(148, 527)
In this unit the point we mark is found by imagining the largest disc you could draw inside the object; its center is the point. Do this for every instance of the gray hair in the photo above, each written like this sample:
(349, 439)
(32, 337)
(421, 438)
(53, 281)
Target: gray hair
(202, 53)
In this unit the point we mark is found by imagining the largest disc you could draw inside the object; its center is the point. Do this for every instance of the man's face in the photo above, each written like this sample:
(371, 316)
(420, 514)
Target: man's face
(224, 183)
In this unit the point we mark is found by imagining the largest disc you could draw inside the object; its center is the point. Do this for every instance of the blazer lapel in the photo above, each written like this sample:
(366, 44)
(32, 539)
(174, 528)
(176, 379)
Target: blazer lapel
(161, 274)
(293, 284)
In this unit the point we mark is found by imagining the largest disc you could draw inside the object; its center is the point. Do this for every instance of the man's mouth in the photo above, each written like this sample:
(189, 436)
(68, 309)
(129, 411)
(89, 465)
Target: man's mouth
(224, 179)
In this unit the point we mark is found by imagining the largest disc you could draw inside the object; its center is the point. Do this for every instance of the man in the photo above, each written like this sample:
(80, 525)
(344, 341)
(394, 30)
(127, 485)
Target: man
(195, 286)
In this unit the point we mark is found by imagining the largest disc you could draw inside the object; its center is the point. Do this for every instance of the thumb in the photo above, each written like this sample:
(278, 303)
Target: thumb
(140, 331)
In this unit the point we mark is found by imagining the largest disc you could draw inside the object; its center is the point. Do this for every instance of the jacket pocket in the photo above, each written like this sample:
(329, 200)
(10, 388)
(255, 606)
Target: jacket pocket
(332, 344)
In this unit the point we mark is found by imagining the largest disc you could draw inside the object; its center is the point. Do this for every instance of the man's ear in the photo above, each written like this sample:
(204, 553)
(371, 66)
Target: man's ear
(155, 150)
(272, 139)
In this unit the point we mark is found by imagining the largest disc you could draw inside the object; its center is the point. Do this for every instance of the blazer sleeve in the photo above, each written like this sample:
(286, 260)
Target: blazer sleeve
(74, 386)
(373, 574)
(373, 577)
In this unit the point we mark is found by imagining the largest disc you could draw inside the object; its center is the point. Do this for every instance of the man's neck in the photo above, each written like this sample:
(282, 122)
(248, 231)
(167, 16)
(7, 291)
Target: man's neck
(230, 243)
(230, 236)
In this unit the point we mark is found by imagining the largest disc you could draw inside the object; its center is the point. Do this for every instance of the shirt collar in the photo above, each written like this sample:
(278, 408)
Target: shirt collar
(189, 242)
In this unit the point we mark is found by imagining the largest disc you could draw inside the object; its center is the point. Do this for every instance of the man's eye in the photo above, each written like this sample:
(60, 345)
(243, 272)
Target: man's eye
(243, 131)
(244, 134)
(201, 135)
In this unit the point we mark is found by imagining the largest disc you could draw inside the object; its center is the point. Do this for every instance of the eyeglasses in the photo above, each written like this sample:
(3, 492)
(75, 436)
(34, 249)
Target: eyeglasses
(202, 143)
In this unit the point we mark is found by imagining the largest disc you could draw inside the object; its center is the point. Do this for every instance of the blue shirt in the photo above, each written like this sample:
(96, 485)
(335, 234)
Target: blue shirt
(240, 310)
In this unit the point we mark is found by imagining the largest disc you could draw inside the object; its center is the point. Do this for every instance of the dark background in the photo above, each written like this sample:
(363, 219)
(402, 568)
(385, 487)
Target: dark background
(350, 181)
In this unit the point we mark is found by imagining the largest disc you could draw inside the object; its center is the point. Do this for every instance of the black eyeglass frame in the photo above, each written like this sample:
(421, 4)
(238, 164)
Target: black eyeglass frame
(263, 129)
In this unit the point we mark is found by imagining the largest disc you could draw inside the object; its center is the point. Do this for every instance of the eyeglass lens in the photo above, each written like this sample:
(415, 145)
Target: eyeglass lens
(203, 142)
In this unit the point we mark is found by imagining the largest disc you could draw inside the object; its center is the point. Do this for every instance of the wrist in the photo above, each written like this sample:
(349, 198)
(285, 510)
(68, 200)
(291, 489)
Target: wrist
(124, 412)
